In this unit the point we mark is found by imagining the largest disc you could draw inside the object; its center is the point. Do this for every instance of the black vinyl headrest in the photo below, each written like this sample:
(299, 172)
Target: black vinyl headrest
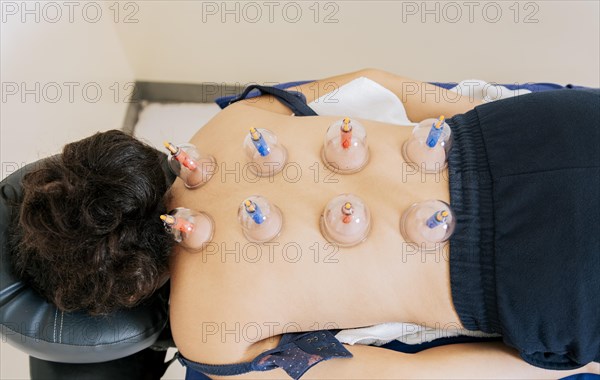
(38, 328)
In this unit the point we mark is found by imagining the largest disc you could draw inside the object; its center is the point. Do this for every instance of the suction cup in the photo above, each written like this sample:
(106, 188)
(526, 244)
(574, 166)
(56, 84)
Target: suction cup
(427, 224)
(186, 162)
(428, 147)
(192, 229)
(261, 220)
(346, 220)
(265, 155)
(345, 148)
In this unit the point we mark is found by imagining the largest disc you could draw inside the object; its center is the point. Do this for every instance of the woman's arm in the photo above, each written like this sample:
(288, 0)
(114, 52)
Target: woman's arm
(458, 361)
(421, 100)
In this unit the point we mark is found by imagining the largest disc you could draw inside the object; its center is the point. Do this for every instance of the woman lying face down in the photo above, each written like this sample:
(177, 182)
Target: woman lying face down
(234, 300)
(88, 235)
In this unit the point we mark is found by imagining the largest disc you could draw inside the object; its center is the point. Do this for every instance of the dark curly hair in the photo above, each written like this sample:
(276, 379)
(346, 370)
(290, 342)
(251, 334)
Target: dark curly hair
(89, 233)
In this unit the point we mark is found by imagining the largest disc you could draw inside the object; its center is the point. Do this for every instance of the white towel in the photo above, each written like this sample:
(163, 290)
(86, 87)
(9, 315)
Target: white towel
(408, 333)
(363, 98)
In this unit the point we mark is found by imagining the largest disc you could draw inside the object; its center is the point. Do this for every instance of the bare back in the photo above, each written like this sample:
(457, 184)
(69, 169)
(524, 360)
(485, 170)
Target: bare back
(235, 294)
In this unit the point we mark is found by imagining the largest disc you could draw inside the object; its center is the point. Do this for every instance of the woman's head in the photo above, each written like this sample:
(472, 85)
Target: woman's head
(89, 233)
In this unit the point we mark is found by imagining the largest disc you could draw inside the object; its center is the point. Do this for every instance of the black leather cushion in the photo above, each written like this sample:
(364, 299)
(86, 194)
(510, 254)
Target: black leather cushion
(37, 327)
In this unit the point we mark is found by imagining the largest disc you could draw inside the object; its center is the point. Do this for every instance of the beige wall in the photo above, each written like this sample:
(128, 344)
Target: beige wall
(56, 81)
(187, 41)
(50, 55)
